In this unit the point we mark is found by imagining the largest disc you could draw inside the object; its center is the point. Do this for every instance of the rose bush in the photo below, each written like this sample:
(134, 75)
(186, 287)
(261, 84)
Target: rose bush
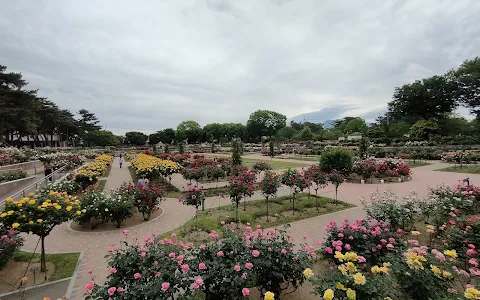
(296, 181)
(261, 166)
(145, 198)
(10, 241)
(269, 186)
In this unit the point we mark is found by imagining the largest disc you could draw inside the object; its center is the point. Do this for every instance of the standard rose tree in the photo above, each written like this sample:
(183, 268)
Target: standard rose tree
(194, 197)
(316, 175)
(240, 187)
(269, 186)
(296, 181)
(39, 214)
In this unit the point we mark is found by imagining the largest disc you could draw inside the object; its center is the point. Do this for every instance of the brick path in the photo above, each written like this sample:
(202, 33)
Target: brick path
(175, 214)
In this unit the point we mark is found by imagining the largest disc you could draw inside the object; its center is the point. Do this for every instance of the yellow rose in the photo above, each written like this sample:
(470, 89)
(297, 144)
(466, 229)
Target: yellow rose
(19, 204)
(84, 210)
(339, 256)
(30, 222)
(31, 202)
(15, 225)
(340, 286)
(10, 212)
(78, 212)
(415, 233)
(69, 208)
(359, 279)
(351, 294)
(9, 200)
(436, 270)
(447, 275)
(31, 194)
(308, 273)
(3, 215)
(451, 253)
(39, 220)
(351, 256)
(328, 294)
(269, 296)
(472, 293)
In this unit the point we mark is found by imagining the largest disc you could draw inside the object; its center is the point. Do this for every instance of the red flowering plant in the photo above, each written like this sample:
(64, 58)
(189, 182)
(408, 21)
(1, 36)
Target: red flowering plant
(317, 176)
(261, 166)
(269, 186)
(192, 174)
(296, 181)
(370, 239)
(146, 199)
(10, 241)
(336, 178)
(240, 187)
(365, 168)
(214, 172)
(195, 196)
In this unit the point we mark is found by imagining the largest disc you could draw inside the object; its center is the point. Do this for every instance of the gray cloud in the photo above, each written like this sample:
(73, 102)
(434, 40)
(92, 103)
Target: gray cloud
(148, 65)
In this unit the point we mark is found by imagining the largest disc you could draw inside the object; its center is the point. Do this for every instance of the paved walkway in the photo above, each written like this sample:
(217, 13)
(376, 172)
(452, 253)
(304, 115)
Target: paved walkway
(117, 175)
(94, 245)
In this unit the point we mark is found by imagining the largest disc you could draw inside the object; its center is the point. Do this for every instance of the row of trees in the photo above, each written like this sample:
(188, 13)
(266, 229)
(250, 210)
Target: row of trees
(37, 120)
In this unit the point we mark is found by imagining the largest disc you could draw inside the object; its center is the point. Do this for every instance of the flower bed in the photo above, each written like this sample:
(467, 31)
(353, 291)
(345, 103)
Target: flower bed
(59, 159)
(90, 172)
(153, 167)
(12, 155)
(12, 175)
(388, 169)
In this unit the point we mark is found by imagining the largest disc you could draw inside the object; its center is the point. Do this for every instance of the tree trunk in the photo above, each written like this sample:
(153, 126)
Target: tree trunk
(43, 263)
(293, 212)
(267, 207)
(236, 201)
(203, 205)
(316, 198)
(2, 129)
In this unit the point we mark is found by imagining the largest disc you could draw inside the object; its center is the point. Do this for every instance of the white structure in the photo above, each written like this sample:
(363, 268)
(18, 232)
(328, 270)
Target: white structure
(356, 136)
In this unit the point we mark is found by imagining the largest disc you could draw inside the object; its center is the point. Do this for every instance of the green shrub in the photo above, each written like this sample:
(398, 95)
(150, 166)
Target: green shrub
(12, 175)
(337, 159)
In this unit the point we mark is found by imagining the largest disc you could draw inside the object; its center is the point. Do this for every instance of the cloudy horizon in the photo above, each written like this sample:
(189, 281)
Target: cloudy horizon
(149, 65)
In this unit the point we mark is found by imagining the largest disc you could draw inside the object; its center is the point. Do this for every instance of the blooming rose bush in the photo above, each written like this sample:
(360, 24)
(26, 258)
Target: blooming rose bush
(260, 166)
(296, 181)
(241, 187)
(145, 198)
(370, 239)
(152, 167)
(10, 241)
(90, 172)
(69, 186)
(388, 207)
(220, 269)
(269, 186)
(381, 168)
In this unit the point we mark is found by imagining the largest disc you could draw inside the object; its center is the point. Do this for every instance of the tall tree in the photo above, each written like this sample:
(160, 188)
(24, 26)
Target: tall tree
(135, 138)
(467, 78)
(189, 130)
(265, 123)
(356, 125)
(428, 99)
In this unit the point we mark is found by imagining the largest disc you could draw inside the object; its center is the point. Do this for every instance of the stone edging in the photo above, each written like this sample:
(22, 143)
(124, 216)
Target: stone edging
(69, 227)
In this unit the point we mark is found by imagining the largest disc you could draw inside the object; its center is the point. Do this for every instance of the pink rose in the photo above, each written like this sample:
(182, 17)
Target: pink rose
(361, 259)
(174, 235)
(202, 246)
(236, 268)
(390, 247)
(220, 253)
(199, 281)
(165, 286)
(171, 255)
(473, 261)
(249, 266)
(137, 275)
(269, 249)
(470, 252)
(340, 235)
(120, 290)
(202, 266)
(223, 222)
(155, 262)
(143, 254)
(245, 292)
(112, 271)
(126, 232)
(90, 271)
(89, 286)
(475, 272)
(391, 240)
(338, 248)
(196, 286)
(329, 250)
(244, 276)
(157, 274)
(185, 268)
(111, 291)
(110, 250)
(471, 246)
(350, 237)
(255, 253)
(313, 254)
(347, 247)
(283, 251)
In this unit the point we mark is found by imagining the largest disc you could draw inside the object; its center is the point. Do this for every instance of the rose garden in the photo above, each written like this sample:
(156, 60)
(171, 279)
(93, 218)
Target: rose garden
(265, 210)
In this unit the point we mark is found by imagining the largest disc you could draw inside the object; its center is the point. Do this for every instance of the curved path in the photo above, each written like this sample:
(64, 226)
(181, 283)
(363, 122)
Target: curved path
(95, 245)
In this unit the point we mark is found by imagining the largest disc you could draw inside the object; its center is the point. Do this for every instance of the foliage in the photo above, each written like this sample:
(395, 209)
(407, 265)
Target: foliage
(135, 138)
(194, 196)
(71, 187)
(12, 175)
(237, 151)
(339, 159)
(265, 123)
(317, 176)
(296, 181)
(269, 184)
(424, 129)
(356, 125)
(10, 241)
(188, 130)
(145, 198)
(388, 207)
(336, 178)
(102, 138)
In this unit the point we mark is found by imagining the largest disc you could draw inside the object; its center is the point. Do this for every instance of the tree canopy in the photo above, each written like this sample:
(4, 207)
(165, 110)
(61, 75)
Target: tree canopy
(265, 123)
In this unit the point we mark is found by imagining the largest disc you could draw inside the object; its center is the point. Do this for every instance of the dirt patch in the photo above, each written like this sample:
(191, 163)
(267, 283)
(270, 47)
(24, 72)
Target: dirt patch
(136, 219)
(333, 205)
(197, 236)
(14, 271)
(289, 213)
(263, 219)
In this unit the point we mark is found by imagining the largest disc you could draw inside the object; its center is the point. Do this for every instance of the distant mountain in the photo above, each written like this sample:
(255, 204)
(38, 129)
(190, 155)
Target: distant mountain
(328, 115)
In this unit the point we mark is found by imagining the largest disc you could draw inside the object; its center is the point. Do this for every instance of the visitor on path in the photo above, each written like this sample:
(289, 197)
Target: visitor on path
(121, 162)
(121, 155)
(145, 182)
(48, 170)
(140, 181)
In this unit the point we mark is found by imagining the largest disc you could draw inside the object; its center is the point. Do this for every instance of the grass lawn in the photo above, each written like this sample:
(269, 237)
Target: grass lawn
(280, 211)
(101, 184)
(305, 158)
(276, 164)
(64, 263)
(107, 171)
(462, 169)
(418, 163)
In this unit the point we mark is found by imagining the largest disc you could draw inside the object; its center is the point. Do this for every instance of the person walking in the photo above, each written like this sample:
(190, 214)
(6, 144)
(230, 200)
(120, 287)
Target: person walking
(121, 162)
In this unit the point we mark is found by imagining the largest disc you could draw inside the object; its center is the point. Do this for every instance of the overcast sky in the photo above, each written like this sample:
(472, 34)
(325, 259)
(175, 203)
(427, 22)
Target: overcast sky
(147, 65)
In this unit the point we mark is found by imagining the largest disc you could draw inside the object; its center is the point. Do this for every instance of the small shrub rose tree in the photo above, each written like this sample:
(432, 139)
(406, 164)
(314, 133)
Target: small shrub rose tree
(146, 198)
(194, 197)
(316, 175)
(296, 181)
(39, 214)
(238, 188)
(269, 186)
(336, 178)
